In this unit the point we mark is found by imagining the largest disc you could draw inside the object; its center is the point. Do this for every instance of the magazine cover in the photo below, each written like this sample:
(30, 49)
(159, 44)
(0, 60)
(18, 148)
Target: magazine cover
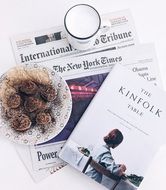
(120, 132)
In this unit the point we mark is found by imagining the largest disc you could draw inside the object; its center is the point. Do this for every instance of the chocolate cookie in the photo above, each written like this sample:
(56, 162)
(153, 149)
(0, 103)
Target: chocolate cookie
(43, 118)
(28, 87)
(32, 104)
(21, 123)
(48, 93)
(14, 101)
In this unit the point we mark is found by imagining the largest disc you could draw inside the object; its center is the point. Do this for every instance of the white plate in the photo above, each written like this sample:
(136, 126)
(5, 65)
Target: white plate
(62, 113)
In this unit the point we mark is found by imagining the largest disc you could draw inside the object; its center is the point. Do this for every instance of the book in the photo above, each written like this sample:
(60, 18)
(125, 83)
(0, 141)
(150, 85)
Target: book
(120, 132)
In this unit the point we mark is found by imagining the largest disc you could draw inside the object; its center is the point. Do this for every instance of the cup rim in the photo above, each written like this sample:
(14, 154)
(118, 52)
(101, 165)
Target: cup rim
(85, 38)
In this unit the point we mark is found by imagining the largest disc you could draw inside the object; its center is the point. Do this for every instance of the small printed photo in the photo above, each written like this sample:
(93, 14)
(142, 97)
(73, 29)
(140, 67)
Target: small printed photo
(83, 90)
(49, 38)
(102, 167)
(101, 162)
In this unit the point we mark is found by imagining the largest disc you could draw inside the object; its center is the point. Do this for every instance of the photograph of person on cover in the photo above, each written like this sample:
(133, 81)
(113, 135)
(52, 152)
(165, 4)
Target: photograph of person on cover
(99, 163)
(103, 156)
(103, 160)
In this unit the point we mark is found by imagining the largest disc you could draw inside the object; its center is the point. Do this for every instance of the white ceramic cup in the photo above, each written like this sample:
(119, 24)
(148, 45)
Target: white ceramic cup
(82, 24)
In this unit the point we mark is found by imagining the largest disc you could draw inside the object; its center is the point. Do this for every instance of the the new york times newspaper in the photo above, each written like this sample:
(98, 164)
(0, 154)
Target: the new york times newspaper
(84, 75)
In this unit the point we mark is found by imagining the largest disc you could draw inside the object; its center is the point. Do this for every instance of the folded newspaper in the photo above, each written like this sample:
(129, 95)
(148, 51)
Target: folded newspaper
(51, 43)
(84, 72)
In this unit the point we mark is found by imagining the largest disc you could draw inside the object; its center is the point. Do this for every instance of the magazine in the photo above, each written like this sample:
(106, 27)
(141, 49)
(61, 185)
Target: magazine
(84, 83)
(51, 43)
(120, 132)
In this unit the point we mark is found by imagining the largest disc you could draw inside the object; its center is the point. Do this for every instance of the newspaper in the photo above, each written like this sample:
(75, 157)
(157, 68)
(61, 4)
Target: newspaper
(84, 79)
(50, 47)
(51, 43)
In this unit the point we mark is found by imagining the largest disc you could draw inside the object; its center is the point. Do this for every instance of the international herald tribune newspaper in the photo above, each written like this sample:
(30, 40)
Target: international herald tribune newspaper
(83, 69)
(51, 43)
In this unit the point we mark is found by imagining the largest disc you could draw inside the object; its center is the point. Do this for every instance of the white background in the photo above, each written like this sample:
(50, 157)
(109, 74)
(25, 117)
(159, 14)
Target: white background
(20, 16)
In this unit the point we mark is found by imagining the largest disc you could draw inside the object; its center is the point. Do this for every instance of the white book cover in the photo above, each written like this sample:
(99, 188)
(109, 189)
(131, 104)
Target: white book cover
(120, 132)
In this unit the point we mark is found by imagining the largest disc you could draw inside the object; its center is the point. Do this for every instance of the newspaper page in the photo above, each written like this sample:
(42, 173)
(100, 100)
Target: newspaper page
(51, 43)
(84, 75)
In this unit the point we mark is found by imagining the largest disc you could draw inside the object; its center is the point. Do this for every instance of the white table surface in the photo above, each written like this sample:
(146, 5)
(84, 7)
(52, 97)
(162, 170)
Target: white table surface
(20, 16)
